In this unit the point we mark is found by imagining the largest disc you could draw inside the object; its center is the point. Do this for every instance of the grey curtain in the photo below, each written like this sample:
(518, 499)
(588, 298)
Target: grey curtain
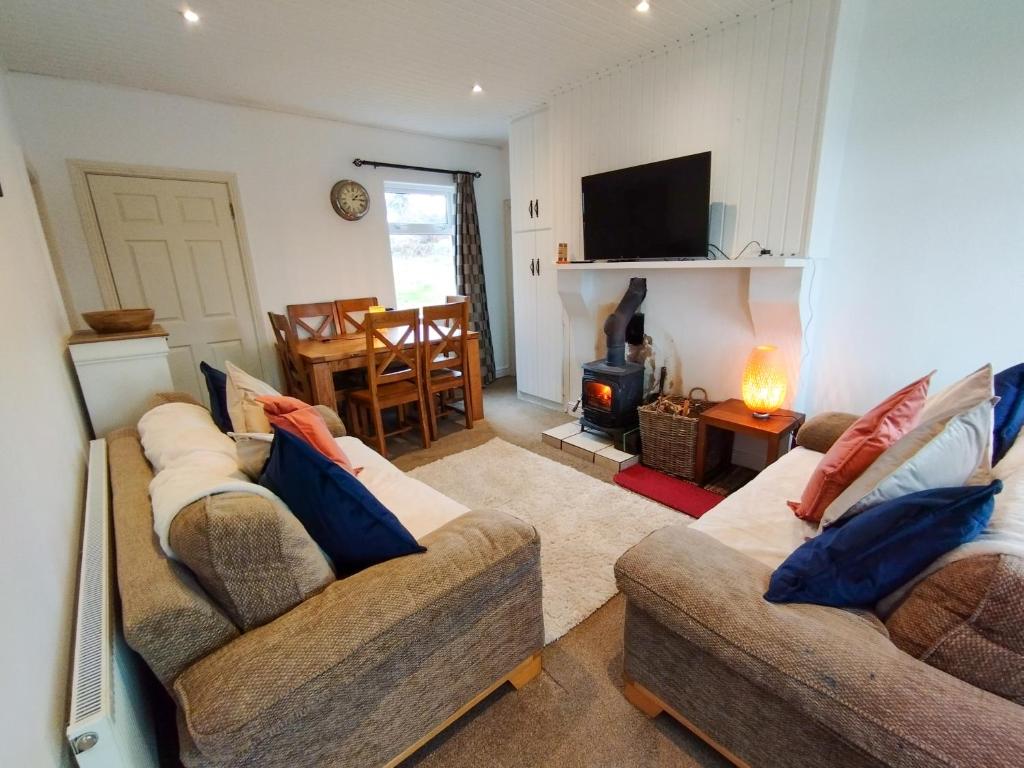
(469, 269)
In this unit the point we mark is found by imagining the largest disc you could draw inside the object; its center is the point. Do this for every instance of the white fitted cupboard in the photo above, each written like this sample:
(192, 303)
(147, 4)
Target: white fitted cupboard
(537, 306)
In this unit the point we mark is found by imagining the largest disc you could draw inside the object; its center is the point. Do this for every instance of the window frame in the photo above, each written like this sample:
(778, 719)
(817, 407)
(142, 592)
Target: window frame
(423, 228)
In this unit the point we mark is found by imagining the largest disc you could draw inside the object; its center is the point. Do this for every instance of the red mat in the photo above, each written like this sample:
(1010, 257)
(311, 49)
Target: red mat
(685, 497)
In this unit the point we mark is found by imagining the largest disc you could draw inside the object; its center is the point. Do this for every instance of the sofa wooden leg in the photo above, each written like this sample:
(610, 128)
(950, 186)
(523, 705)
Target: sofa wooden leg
(526, 671)
(652, 706)
(642, 699)
(519, 677)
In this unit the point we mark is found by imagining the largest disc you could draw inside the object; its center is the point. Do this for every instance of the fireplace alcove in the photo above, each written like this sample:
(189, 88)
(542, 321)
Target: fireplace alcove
(704, 317)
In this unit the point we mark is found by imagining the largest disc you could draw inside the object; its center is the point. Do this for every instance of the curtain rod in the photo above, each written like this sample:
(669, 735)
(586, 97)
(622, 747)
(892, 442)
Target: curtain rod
(377, 164)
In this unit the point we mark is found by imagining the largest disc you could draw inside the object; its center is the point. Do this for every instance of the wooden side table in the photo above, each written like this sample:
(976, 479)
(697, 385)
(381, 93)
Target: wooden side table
(734, 417)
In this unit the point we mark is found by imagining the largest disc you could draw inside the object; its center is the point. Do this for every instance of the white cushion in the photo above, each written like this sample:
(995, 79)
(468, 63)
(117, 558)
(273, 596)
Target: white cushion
(242, 390)
(420, 508)
(940, 453)
(756, 520)
(960, 396)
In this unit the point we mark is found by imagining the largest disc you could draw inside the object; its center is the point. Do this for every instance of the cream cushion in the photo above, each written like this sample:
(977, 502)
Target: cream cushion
(242, 390)
(958, 397)
(940, 453)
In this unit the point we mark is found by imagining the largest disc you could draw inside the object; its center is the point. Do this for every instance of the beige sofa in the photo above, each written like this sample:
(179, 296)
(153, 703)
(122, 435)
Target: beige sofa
(360, 673)
(806, 685)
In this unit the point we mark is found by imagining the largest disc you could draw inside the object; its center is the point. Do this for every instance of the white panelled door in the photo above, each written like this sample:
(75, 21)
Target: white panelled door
(172, 245)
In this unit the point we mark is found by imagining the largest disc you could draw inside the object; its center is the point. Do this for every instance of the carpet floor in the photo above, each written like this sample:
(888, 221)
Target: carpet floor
(585, 525)
(573, 715)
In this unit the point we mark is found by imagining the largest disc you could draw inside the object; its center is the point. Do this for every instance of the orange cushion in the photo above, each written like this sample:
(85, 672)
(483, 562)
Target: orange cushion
(859, 446)
(305, 421)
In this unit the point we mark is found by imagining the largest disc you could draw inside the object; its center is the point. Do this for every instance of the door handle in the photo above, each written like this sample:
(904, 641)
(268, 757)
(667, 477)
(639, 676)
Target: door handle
(531, 267)
(536, 209)
(538, 266)
(531, 211)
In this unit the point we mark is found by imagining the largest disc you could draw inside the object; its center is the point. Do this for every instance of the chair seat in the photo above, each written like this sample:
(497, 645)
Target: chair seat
(398, 392)
(445, 376)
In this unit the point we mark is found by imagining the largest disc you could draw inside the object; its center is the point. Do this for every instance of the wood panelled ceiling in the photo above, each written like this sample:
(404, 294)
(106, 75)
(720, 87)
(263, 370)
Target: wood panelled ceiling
(406, 64)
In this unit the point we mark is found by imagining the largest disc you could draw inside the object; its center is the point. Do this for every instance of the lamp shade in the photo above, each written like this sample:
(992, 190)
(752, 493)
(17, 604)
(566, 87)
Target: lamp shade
(764, 381)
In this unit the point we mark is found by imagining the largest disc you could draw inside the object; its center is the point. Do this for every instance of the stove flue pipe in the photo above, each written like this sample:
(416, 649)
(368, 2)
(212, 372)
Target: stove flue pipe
(615, 325)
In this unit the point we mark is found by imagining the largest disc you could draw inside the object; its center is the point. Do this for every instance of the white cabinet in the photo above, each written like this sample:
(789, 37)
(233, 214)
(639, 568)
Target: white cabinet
(537, 305)
(538, 313)
(530, 172)
(118, 377)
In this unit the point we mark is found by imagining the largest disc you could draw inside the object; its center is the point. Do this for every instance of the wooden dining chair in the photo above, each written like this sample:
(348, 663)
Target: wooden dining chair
(445, 362)
(457, 300)
(352, 311)
(318, 320)
(294, 376)
(394, 377)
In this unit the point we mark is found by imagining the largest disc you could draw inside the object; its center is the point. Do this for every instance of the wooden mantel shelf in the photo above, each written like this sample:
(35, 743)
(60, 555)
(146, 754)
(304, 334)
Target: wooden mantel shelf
(772, 262)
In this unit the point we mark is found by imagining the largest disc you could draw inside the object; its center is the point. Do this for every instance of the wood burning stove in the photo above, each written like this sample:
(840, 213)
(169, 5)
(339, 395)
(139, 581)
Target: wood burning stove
(611, 394)
(614, 387)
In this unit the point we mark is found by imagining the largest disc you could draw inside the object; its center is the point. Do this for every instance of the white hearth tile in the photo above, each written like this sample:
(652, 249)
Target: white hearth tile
(556, 435)
(585, 445)
(613, 458)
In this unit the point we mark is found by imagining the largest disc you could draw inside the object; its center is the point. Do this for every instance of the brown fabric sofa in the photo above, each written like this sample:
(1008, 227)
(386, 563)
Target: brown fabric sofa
(360, 674)
(806, 685)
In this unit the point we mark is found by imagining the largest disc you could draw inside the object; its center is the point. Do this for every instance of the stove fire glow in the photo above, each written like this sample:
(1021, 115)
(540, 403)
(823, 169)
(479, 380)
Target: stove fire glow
(598, 395)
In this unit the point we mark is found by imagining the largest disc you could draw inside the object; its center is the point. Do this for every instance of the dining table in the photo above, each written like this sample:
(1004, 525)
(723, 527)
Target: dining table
(325, 357)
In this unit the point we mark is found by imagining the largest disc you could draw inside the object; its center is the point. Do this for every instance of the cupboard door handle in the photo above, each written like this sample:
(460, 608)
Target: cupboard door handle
(531, 267)
(538, 266)
(531, 216)
(536, 209)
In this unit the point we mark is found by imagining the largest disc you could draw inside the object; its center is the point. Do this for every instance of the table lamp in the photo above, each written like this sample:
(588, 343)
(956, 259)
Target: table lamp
(764, 381)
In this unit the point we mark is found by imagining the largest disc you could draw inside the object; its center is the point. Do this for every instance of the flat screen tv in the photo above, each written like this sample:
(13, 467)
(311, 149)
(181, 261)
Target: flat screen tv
(653, 211)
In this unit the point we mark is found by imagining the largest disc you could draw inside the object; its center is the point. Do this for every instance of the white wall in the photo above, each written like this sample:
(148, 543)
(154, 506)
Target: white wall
(752, 93)
(285, 165)
(919, 218)
(41, 476)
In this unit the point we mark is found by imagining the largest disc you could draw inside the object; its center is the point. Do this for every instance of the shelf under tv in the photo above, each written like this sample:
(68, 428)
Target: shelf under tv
(754, 262)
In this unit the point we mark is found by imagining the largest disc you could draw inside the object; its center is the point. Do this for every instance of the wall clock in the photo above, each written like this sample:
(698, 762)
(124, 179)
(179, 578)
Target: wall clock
(350, 200)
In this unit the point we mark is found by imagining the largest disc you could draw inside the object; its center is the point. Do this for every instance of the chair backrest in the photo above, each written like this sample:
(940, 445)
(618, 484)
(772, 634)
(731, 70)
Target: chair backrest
(444, 336)
(351, 313)
(395, 339)
(457, 300)
(318, 320)
(291, 367)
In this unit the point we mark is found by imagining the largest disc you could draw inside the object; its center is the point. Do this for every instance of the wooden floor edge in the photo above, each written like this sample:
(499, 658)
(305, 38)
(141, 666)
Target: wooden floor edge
(523, 673)
(652, 706)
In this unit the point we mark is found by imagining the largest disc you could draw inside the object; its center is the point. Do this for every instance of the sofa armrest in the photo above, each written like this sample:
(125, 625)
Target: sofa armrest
(833, 667)
(819, 432)
(333, 421)
(429, 630)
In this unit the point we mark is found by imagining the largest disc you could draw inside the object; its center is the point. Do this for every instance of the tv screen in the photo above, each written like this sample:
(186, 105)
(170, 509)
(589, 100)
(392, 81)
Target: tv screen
(653, 211)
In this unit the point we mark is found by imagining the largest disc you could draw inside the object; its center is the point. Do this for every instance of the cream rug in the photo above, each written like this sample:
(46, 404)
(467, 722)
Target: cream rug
(584, 524)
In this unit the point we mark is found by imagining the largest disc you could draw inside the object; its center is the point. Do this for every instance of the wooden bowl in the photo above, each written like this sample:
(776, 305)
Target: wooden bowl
(119, 320)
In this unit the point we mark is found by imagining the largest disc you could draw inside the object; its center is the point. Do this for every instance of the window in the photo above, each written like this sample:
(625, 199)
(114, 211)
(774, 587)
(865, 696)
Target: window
(421, 223)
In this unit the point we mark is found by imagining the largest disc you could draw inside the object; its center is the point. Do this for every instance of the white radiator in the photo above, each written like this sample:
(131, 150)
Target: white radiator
(110, 723)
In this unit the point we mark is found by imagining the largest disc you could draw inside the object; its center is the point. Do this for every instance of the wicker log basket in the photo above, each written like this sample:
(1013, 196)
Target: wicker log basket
(668, 432)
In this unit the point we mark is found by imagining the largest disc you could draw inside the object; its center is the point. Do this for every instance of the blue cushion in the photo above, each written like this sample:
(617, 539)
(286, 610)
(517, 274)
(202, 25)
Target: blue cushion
(860, 560)
(343, 517)
(1009, 411)
(217, 387)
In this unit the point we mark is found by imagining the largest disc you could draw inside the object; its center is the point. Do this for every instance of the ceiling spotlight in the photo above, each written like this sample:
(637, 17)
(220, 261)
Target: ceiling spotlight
(190, 16)
(643, 6)
(477, 88)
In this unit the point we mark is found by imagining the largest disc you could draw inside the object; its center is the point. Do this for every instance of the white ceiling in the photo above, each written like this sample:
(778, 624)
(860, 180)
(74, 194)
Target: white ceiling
(407, 64)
